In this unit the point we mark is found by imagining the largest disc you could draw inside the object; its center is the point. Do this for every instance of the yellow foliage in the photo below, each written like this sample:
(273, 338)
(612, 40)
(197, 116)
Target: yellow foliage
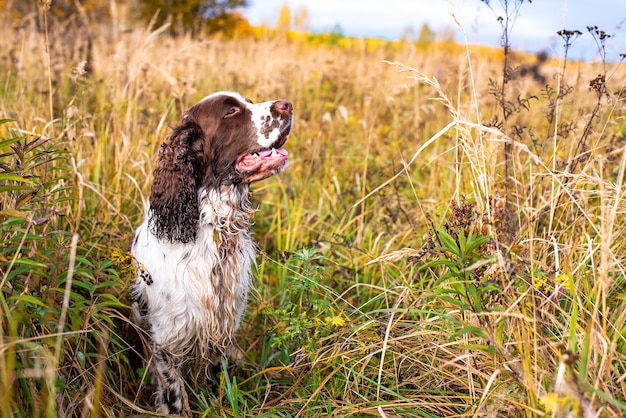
(551, 402)
(560, 405)
(231, 25)
(283, 23)
(124, 262)
(335, 321)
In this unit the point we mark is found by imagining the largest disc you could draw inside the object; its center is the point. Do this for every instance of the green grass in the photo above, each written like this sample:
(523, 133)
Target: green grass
(401, 273)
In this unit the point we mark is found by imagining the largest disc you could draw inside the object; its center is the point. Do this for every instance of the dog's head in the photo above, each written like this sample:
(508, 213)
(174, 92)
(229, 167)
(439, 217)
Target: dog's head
(224, 140)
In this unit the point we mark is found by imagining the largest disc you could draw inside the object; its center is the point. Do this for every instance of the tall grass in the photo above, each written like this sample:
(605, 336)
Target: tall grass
(403, 271)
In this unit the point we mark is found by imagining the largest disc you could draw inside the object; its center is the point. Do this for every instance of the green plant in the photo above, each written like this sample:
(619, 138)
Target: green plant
(465, 259)
(305, 315)
(56, 297)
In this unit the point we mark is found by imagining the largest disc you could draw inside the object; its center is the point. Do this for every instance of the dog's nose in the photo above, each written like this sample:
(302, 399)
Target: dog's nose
(284, 107)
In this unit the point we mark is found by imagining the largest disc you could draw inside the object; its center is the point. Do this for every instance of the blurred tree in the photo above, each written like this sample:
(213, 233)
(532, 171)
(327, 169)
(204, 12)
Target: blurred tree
(230, 25)
(301, 20)
(298, 21)
(283, 24)
(61, 11)
(408, 34)
(191, 14)
(426, 36)
(207, 15)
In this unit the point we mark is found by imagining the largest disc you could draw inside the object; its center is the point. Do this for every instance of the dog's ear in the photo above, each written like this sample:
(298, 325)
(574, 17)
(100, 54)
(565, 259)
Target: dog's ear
(174, 211)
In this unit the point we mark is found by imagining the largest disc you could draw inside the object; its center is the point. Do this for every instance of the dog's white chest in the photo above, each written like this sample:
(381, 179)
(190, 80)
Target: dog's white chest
(195, 292)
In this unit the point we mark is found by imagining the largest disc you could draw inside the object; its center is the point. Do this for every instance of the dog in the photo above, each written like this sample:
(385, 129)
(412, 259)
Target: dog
(194, 250)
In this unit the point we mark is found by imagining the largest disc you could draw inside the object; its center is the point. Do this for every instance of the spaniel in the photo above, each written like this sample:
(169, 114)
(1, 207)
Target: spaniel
(194, 250)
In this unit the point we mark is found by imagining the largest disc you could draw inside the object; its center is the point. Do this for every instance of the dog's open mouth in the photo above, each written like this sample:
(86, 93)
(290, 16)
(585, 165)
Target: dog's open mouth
(264, 163)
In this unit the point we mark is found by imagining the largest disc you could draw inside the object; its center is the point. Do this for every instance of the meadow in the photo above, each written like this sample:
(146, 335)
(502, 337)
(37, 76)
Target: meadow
(448, 240)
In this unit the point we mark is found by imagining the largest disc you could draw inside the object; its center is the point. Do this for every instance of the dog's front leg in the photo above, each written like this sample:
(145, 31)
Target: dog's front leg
(171, 397)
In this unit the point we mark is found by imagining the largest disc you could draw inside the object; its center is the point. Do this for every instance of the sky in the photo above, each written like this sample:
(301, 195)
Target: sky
(534, 29)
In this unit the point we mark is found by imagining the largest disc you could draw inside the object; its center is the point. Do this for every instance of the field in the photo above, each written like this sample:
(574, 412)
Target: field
(448, 240)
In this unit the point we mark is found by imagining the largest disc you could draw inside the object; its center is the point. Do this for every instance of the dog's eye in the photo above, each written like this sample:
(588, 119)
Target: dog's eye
(232, 111)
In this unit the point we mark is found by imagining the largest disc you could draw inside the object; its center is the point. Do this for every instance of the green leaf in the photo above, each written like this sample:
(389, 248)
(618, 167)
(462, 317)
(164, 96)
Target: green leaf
(7, 142)
(456, 302)
(463, 244)
(449, 244)
(28, 299)
(29, 262)
(104, 285)
(474, 244)
(469, 329)
(490, 349)
(15, 214)
(438, 262)
(85, 285)
(15, 177)
(608, 398)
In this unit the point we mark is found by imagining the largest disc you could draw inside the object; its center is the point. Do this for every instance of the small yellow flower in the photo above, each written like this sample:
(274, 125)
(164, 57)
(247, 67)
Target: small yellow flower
(566, 280)
(562, 278)
(542, 285)
(555, 403)
(335, 321)
(124, 262)
(550, 402)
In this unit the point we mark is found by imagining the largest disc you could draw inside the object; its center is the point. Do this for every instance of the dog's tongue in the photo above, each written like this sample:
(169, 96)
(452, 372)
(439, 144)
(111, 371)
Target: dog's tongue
(266, 158)
(269, 152)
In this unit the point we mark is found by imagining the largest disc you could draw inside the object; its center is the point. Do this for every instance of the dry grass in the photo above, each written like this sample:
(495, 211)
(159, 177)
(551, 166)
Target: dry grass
(376, 293)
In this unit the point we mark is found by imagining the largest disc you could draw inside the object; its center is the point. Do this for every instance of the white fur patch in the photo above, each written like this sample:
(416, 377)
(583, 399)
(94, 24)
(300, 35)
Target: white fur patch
(185, 308)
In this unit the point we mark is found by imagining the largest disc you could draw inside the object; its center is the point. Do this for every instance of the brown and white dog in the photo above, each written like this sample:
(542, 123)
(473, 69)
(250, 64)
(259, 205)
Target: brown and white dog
(194, 250)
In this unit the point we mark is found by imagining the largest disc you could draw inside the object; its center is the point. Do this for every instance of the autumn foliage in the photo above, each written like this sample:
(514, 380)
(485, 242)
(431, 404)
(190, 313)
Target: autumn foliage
(210, 16)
